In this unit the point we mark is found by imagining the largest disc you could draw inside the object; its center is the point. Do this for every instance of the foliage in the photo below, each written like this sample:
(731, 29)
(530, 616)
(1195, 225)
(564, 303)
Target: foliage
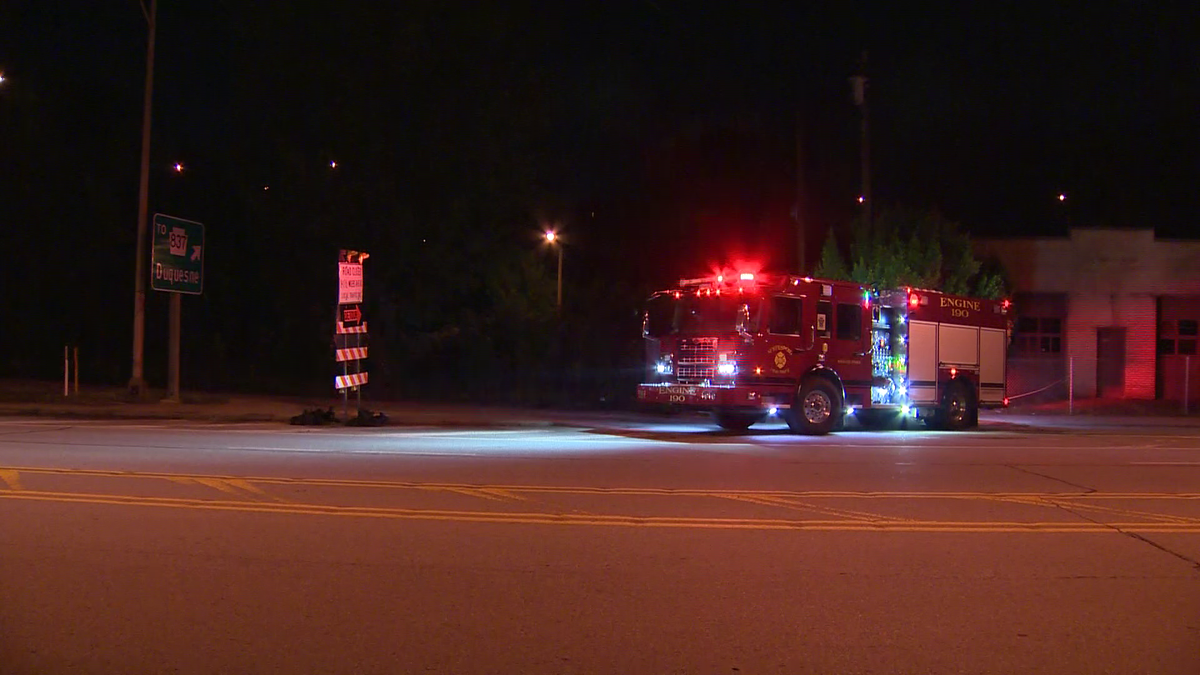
(912, 248)
(832, 265)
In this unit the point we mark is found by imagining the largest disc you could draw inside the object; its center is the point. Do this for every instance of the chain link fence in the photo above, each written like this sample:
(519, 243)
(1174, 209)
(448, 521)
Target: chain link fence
(1042, 379)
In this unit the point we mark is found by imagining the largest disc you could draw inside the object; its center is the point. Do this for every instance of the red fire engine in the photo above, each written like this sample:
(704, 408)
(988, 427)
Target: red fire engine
(749, 345)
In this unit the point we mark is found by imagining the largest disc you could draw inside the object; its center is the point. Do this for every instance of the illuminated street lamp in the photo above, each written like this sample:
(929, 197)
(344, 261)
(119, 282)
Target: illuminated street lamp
(553, 240)
(1, 78)
(178, 167)
(1062, 197)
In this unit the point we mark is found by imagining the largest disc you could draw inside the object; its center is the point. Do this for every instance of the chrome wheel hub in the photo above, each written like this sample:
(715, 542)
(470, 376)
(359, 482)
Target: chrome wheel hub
(817, 407)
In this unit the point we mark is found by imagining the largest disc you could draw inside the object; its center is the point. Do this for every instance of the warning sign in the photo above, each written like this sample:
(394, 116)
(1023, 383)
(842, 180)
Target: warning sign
(350, 283)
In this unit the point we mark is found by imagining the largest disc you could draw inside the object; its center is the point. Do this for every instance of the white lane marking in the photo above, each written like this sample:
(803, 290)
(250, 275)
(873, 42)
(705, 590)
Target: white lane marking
(1164, 463)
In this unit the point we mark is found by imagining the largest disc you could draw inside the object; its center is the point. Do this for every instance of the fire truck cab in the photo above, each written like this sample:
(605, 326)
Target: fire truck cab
(749, 345)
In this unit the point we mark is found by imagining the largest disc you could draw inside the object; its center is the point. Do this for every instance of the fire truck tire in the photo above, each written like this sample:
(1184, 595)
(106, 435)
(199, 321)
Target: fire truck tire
(817, 408)
(958, 408)
(732, 420)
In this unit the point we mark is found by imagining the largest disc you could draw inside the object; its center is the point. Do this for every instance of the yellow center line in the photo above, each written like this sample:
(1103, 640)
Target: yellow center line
(513, 490)
(250, 488)
(860, 516)
(11, 478)
(604, 520)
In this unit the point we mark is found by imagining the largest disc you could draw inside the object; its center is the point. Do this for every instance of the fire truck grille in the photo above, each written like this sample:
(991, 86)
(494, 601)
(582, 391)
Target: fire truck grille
(697, 360)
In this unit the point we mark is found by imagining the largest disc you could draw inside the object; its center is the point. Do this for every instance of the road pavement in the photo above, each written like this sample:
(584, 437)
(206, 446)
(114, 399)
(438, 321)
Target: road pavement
(619, 544)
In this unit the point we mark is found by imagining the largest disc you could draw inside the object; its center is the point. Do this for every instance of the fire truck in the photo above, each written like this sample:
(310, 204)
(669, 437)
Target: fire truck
(749, 345)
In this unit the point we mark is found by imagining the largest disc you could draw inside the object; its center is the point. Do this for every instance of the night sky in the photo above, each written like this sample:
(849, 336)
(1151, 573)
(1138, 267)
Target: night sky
(661, 134)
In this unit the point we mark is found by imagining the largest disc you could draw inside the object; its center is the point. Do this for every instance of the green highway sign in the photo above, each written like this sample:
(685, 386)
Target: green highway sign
(177, 255)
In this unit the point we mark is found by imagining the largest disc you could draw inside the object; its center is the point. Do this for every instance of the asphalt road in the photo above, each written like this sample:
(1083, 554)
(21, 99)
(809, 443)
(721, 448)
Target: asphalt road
(640, 547)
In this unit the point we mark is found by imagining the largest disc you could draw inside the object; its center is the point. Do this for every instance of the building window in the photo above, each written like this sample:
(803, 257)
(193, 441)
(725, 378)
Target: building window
(1038, 335)
(1178, 337)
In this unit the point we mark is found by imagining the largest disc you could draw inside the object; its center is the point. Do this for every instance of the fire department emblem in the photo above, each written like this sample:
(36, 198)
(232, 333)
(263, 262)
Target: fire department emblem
(779, 356)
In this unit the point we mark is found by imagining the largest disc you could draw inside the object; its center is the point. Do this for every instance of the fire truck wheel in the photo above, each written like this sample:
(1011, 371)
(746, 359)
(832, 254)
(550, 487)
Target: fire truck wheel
(817, 407)
(957, 408)
(731, 420)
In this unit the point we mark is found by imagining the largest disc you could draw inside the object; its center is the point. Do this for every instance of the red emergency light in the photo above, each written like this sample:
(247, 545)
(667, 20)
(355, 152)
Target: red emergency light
(913, 300)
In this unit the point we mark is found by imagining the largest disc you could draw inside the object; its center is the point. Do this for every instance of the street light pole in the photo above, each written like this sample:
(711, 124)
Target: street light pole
(859, 83)
(137, 382)
(552, 238)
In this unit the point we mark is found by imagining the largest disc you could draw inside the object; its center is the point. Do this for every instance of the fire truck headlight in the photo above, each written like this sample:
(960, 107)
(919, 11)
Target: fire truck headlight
(905, 410)
(772, 411)
(726, 368)
(663, 367)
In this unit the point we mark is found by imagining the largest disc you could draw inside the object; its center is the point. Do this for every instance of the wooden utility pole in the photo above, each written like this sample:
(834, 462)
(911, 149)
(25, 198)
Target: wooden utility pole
(137, 381)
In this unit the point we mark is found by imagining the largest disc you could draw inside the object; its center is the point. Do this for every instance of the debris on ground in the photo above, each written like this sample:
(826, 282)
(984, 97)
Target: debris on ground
(315, 417)
(366, 418)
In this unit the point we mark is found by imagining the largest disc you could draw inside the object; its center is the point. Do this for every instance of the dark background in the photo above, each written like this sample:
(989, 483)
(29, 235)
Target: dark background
(660, 135)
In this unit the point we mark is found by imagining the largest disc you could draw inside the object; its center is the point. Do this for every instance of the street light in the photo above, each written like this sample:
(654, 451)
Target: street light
(553, 240)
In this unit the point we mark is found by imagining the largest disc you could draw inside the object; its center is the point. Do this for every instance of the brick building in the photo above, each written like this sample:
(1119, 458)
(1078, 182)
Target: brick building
(1116, 308)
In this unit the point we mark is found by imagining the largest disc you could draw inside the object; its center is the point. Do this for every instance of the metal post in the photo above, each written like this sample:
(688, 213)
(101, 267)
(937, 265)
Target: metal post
(66, 371)
(137, 382)
(1071, 385)
(174, 320)
(345, 394)
(76, 371)
(1187, 389)
(173, 330)
(560, 256)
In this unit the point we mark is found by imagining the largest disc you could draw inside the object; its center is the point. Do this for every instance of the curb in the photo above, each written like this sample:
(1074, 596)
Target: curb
(175, 414)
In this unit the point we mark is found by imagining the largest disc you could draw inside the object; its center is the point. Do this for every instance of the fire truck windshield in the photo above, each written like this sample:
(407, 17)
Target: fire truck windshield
(710, 314)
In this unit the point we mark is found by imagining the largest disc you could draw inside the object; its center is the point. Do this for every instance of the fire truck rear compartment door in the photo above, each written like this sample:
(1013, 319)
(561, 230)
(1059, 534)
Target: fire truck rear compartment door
(992, 348)
(958, 345)
(922, 361)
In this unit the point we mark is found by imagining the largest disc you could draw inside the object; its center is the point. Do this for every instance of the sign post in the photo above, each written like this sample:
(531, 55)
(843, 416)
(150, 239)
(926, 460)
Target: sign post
(176, 267)
(350, 328)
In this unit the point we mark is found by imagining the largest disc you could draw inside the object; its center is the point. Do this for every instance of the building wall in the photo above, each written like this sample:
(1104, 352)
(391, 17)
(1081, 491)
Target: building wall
(1110, 278)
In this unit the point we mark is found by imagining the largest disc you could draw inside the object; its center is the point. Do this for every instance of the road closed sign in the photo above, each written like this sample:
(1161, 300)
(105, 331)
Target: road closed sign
(350, 283)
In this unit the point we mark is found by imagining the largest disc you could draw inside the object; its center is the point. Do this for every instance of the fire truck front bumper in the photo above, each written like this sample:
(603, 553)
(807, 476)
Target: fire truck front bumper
(710, 396)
